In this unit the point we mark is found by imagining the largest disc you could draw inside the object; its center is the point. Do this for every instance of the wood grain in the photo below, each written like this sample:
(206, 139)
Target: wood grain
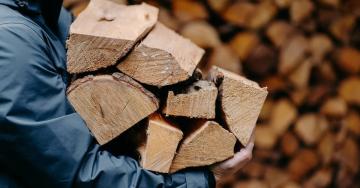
(110, 104)
(162, 58)
(106, 31)
(241, 102)
(207, 144)
(197, 101)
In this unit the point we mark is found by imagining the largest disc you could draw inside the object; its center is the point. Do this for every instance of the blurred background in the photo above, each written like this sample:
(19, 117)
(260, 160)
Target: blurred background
(307, 52)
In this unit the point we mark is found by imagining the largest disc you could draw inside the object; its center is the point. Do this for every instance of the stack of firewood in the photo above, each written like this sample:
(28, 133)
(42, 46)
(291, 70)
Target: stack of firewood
(307, 53)
(128, 67)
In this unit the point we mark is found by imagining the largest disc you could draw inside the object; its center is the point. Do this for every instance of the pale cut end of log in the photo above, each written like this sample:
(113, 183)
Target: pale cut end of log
(162, 58)
(110, 104)
(241, 102)
(197, 101)
(106, 31)
(162, 141)
(208, 144)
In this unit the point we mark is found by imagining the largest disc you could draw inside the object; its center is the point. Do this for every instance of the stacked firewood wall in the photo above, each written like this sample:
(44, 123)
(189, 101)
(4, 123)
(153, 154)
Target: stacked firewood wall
(307, 52)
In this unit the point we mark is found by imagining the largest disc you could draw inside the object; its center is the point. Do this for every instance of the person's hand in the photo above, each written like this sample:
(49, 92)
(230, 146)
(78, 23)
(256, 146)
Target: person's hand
(233, 165)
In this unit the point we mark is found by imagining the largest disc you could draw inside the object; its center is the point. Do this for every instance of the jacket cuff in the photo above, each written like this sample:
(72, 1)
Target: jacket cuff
(200, 179)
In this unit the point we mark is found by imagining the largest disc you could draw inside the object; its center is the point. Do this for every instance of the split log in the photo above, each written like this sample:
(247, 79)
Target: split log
(188, 10)
(166, 18)
(196, 101)
(161, 143)
(302, 164)
(348, 154)
(243, 43)
(279, 32)
(300, 10)
(352, 122)
(283, 115)
(298, 96)
(95, 44)
(239, 13)
(293, 53)
(266, 110)
(110, 104)
(223, 56)
(254, 169)
(320, 45)
(265, 137)
(334, 107)
(263, 13)
(201, 33)
(208, 144)
(301, 75)
(289, 144)
(218, 5)
(283, 3)
(326, 148)
(261, 60)
(310, 128)
(162, 58)
(341, 27)
(348, 59)
(333, 3)
(241, 102)
(326, 72)
(252, 183)
(349, 90)
(321, 178)
(275, 177)
(275, 83)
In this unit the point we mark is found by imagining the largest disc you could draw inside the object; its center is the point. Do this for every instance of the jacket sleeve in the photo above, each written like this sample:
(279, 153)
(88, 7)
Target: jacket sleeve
(43, 142)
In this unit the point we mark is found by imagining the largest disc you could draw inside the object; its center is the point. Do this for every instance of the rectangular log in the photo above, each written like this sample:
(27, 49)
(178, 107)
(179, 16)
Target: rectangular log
(197, 101)
(161, 143)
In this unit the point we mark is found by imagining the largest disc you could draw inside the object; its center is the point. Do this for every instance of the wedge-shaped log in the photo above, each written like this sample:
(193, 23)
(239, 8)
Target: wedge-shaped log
(106, 31)
(110, 104)
(207, 144)
(241, 102)
(197, 101)
(161, 143)
(162, 58)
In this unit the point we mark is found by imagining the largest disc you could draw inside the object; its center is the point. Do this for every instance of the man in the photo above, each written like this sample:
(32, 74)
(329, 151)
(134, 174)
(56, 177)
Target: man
(43, 141)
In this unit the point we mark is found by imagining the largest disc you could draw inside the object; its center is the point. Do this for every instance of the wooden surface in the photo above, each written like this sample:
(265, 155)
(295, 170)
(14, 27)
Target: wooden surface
(110, 104)
(162, 58)
(241, 101)
(208, 144)
(197, 101)
(104, 32)
(162, 141)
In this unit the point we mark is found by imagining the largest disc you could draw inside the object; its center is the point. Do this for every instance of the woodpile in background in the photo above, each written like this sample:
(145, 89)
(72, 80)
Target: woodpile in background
(307, 53)
(135, 77)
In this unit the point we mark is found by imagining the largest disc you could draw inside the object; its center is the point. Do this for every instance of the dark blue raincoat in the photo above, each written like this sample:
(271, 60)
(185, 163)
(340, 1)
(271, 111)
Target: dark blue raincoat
(43, 142)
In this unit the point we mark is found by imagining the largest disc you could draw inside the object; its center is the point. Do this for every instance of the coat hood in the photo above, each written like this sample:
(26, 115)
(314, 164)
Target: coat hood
(49, 9)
